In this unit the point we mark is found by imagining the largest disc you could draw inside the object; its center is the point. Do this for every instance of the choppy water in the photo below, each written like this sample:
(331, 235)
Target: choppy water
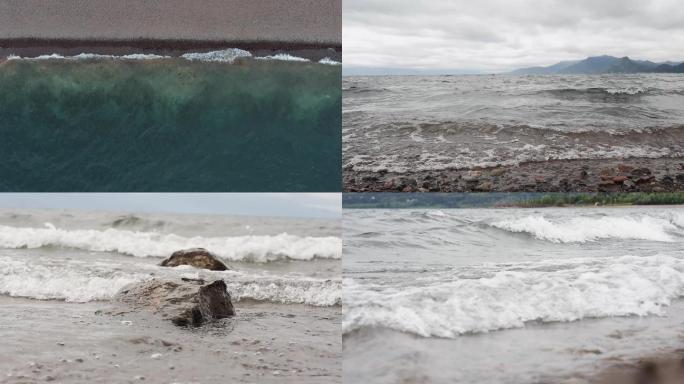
(399, 123)
(446, 294)
(84, 256)
(215, 121)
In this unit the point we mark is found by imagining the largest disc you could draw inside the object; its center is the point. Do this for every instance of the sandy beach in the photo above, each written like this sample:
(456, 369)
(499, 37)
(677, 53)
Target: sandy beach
(83, 343)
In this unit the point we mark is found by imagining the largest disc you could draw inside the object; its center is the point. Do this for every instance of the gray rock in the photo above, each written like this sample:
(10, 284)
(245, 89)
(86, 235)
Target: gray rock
(186, 302)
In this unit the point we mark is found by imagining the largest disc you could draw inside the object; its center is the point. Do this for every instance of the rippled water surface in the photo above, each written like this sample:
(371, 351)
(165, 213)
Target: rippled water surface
(398, 123)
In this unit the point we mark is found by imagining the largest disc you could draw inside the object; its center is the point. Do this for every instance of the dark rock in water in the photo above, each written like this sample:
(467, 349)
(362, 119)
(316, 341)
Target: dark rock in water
(186, 302)
(196, 257)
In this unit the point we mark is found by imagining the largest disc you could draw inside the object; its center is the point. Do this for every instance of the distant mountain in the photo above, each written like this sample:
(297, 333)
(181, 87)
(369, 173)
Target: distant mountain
(603, 64)
(387, 71)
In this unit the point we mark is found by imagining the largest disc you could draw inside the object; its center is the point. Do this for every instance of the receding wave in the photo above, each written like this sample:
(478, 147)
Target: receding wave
(583, 229)
(548, 291)
(153, 244)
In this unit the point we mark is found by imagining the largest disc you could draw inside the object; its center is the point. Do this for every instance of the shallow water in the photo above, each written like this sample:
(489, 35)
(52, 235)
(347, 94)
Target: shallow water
(216, 121)
(455, 295)
(85, 256)
(400, 123)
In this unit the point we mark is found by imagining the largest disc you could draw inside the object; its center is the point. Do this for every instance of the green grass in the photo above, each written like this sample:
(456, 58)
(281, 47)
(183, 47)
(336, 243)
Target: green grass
(495, 199)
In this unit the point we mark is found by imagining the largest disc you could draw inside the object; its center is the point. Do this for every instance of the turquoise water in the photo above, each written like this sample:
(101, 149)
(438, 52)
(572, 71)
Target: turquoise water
(169, 125)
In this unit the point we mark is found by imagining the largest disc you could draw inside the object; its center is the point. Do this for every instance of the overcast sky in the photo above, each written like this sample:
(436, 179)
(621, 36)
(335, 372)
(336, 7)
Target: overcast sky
(320, 205)
(500, 35)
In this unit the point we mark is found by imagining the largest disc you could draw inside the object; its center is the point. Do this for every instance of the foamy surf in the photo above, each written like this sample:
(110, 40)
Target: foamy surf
(84, 280)
(591, 228)
(222, 56)
(548, 291)
(258, 249)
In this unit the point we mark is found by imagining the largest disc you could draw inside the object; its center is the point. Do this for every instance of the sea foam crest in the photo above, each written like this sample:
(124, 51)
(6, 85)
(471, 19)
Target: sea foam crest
(282, 57)
(24, 278)
(329, 61)
(142, 244)
(545, 291)
(91, 56)
(585, 229)
(226, 56)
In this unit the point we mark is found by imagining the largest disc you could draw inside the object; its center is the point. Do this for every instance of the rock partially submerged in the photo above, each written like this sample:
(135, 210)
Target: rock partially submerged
(186, 302)
(196, 257)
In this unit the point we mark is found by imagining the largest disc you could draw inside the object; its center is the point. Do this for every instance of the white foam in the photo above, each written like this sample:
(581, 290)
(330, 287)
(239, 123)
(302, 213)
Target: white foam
(225, 56)
(143, 244)
(282, 57)
(81, 279)
(583, 229)
(308, 291)
(91, 56)
(329, 61)
(626, 91)
(544, 291)
(33, 280)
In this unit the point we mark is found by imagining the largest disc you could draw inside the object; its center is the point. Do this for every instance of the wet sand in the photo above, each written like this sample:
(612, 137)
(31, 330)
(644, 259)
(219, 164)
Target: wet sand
(603, 175)
(81, 343)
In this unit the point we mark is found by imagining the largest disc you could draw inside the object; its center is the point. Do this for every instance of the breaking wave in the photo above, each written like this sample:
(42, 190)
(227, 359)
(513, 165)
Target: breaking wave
(583, 229)
(548, 291)
(258, 249)
(83, 281)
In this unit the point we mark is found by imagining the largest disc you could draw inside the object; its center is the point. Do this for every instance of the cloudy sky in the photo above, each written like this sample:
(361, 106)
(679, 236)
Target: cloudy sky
(319, 205)
(500, 35)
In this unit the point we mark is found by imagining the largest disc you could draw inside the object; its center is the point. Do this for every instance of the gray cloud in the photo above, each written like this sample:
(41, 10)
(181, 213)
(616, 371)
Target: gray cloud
(499, 35)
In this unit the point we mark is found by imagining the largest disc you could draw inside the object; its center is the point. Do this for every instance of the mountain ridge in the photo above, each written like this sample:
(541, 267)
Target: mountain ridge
(603, 64)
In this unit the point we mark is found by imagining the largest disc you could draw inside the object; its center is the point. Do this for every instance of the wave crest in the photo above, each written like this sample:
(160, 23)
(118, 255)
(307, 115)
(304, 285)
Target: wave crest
(580, 230)
(143, 244)
(547, 291)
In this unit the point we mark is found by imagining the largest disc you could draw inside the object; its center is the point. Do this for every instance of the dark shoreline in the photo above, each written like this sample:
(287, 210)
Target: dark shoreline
(582, 175)
(32, 47)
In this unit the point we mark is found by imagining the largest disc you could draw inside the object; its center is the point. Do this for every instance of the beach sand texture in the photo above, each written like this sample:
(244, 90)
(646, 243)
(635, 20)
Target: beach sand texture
(311, 21)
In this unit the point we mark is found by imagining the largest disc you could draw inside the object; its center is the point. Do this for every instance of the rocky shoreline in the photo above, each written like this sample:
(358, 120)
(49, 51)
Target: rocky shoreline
(585, 175)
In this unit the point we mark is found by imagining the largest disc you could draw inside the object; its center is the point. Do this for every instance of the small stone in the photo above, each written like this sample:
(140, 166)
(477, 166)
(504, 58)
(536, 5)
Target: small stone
(141, 378)
(276, 373)
(625, 168)
(475, 173)
(156, 356)
(126, 322)
(497, 171)
(60, 343)
(79, 360)
(619, 179)
(49, 378)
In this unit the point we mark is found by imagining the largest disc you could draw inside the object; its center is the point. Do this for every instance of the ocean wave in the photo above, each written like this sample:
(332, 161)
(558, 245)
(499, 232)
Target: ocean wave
(143, 244)
(282, 57)
(83, 281)
(583, 229)
(23, 278)
(91, 56)
(544, 291)
(224, 56)
(599, 92)
(329, 61)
